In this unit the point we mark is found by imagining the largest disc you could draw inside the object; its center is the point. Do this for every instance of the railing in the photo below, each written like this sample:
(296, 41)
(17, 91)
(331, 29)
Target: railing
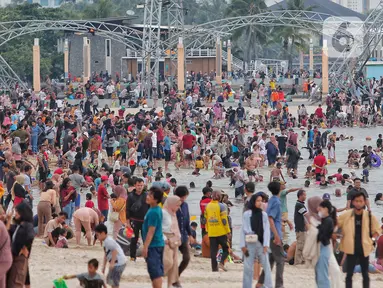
(235, 61)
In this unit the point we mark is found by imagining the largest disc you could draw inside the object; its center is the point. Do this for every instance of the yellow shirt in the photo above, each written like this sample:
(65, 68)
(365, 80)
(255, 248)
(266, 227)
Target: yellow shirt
(217, 223)
(199, 164)
(346, 222)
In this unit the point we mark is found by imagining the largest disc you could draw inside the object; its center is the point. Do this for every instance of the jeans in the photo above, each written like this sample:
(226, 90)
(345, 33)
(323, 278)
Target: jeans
(105, 214)
(137, 228)
(34, 144)
(322, 267)
(276, 256)
(256, 252)
(351, 262)
(214, 243)
(69, 209)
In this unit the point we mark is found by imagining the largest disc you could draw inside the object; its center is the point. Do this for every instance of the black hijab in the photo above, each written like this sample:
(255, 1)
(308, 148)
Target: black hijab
(256, 217)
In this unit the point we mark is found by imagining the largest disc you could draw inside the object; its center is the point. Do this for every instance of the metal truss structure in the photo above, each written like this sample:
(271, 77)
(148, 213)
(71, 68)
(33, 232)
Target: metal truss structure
(8, 77)
(175, 19)
(206, 34)
(120, 33)
(11, 30)
(347, 69)
(151, 44)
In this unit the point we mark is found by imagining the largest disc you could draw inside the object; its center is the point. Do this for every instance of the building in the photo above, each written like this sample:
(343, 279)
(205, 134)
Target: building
(360, 6)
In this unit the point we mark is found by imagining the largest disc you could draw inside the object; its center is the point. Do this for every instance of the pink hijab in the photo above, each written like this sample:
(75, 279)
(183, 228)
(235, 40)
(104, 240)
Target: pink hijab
(172, 204)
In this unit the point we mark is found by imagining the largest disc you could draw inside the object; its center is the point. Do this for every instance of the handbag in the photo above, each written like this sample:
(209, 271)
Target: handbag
(251, 238)
(173, 241)
(115, 216)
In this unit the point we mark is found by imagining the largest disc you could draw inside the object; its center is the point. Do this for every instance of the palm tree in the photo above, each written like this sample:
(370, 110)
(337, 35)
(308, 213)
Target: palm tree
(292, 39)
(252, 35)
(100, 9)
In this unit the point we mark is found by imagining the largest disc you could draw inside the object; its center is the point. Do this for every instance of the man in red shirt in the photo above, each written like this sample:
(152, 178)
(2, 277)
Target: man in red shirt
(320, 163)
(103, 197)
(188, 140)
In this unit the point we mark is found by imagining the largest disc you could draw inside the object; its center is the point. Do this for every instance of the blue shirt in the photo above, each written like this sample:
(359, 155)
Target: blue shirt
(153, 218)
(167, 143)
(183, 218)
(97, 183)
(274, 211)
(310, 136)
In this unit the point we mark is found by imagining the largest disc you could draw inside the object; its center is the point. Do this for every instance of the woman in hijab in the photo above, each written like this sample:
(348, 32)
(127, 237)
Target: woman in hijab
(18, 191)
(118, 202)
(335, 275)
(312, 205)
(22, 235)
(172, 234)
(255, 241)
(16, 150)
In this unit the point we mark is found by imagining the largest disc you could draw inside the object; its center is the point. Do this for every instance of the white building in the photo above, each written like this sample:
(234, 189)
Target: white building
(361, 6)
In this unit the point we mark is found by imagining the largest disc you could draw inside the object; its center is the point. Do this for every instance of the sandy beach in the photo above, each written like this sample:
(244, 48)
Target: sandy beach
(46, 264)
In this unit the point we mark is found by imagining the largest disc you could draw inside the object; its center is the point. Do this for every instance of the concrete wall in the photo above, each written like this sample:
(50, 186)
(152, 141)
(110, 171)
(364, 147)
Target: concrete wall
(203, 64)
(97, 55)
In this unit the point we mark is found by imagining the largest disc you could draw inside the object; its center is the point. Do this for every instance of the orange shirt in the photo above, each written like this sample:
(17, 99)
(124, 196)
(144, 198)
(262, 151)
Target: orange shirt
(274, 96)
(305, 87)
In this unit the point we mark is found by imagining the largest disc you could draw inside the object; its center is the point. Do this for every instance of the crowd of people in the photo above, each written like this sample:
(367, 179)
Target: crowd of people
(53, 155)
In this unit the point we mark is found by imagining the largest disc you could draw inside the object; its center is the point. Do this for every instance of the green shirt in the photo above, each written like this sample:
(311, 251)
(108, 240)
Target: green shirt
(124, 145)
(153, 218)
(283, 197)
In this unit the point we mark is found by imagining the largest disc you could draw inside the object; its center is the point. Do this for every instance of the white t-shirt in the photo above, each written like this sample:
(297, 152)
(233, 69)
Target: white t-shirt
(110, 245)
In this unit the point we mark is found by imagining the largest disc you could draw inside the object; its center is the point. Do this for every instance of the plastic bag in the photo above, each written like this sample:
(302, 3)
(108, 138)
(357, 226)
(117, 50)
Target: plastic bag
(60, 283)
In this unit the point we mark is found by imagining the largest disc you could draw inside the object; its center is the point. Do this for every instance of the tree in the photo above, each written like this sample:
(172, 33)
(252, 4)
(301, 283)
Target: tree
(292, 39)
(251, 35)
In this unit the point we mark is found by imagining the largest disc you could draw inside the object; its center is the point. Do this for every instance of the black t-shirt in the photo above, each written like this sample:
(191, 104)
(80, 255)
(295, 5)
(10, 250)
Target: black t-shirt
(358, 249)
(299, 219)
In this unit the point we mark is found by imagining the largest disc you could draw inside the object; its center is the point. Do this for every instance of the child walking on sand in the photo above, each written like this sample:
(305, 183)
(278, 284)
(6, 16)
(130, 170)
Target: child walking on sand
(113, 254)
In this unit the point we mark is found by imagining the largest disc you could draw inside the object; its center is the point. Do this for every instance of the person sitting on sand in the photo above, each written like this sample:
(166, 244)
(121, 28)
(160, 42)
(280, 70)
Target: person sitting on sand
(50, 237)
(90, 278)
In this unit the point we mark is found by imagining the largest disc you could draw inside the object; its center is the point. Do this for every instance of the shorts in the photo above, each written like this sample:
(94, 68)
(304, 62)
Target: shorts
(285, 216)
(51, 141)
(109, 151)
(114, 275)
(168, 155)
(77, 202)
(154, 262)
(240, 191)
(42, 175)
(123, 155)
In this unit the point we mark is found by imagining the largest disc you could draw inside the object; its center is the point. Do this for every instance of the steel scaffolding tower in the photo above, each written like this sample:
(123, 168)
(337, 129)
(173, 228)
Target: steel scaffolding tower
(175, 14)
(151, 43)
(347, 69)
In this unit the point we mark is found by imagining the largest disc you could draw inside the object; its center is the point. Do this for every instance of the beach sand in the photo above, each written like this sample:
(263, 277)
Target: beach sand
(47, 264)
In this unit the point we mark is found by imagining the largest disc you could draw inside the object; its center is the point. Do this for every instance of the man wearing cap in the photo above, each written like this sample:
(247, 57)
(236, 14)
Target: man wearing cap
(103, 197)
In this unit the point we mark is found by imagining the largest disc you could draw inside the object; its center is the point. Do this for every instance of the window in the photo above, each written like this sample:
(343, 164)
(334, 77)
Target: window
(108, 47)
